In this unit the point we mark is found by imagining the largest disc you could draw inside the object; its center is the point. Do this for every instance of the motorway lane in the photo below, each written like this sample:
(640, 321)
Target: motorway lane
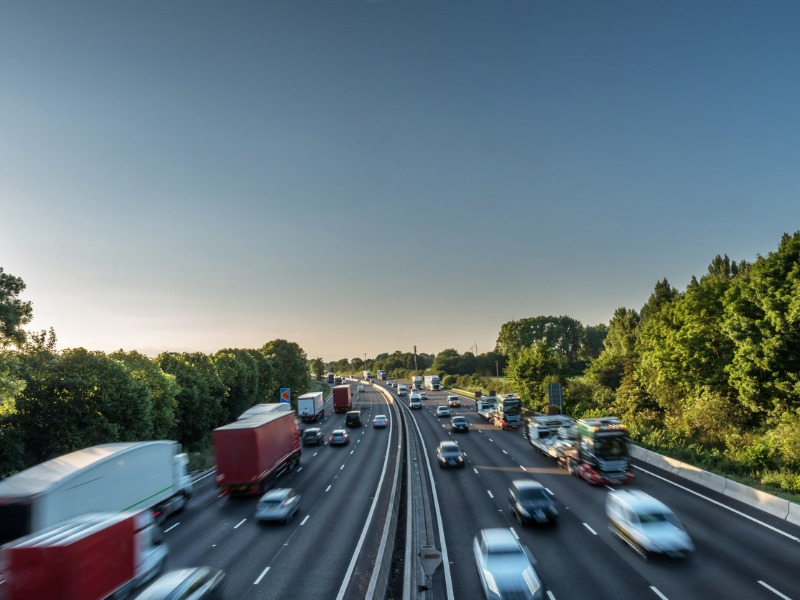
(310, 556)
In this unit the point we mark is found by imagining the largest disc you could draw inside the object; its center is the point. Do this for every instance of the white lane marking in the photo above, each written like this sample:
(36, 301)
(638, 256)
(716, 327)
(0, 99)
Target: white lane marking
(260, 577)
(657, 593)
(303, 522)
(490, 493)
(171, 528)
(549, 492)
(774, 591)
(491, 440)
(733, 510)
(240, 523)
(523, 468)
(351, 451)
(328, 488)
(299, 469)
(342, 467)
(590, 529)
(550, 595)
(204, 476)
(514, 531)
(504, 452)
(476, 470)
(315, 453)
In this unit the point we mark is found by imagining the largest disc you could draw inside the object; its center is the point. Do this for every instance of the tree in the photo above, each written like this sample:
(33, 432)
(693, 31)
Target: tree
(290, 365)
(448, 361)
(14, 313)
(563, 335)
(621, 338)
(238, 373)
(532, 367)
(316, 366)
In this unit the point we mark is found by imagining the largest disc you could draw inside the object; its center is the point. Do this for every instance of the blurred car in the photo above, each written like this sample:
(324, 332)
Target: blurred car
(312, 437)
(442, 411)
(530, 502)
(449, 454)
(338, 437)
(194, 583)
(380, 421)
(414, 401)
(646, 524)
(505, 567)
(390, 383)
(423, 395)
(453, 401)
(353, 418)
(360, 387)
(279, 504)
(459, 424)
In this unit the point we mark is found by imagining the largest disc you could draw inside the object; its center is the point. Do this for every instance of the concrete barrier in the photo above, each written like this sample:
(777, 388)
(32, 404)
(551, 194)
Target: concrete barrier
(773, 505)
(794, 513)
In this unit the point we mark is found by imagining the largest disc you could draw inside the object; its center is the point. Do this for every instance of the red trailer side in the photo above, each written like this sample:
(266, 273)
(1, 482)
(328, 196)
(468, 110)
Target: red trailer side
(342, 399)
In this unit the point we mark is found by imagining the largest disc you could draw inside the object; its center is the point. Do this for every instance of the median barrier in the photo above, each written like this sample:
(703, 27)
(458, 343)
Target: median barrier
(794, 513)
(761, 500)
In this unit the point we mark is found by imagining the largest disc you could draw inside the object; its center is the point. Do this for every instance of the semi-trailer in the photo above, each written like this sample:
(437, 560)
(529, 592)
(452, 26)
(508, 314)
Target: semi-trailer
(342, 399)
(311, 407)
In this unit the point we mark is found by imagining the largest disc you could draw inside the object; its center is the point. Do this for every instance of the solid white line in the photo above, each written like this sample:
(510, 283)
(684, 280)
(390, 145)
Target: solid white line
(239, 523)
(328, 488)
(490, 493)
(514, 531)
(260, 577)
(733, 510)
(774, 591)
(303, 522)
(590, 529)
(171, 528)
(659, 594)
(204, 476)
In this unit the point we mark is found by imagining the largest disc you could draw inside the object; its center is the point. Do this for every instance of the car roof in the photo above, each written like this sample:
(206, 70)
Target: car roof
(379, 416)
(499, 538)
(312, 430)
(276, 493)
(166, 585)
(527, 484)
(449, 445)
(638, 501)
(459, 418)
(354, 412)
(344, 431)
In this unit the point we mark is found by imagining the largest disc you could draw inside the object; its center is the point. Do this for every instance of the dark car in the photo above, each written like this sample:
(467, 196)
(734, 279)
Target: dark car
(448, 454)
(459, 424)
(353, 419)
(531, 503)
(312, 436)
(186, 584)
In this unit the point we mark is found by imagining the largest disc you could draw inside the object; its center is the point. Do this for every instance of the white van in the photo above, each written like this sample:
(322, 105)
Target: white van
(402, 390)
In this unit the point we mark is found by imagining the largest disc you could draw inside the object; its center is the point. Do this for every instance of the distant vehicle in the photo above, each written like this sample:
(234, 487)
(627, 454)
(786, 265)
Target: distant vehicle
(338, 380)
(342, 399)
(259, 409)
(602, 456)
(106, 478)
(459, 424)
(531, 503)
(195, 583)
(360, 387)
(311, 407)
(508, 411)
(353, 419)
(366, 374)
(646, 524)
(448, 454)
(390, 383)
(279, 504)
(91, 557)
(380, 421)
(251, 454)
(453, 401)
(432, 382)
(486, 407)
(313, 437)
(442, 411)
(338, 437)
(423, 395)
(505, 567)
(402, 390)
(381, 374)
(414, 401)
(416, 382)
(330, 378)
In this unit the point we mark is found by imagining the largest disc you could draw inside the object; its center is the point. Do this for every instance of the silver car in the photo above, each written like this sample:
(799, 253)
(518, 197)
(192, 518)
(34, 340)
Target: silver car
(505, 567)
(278, 505)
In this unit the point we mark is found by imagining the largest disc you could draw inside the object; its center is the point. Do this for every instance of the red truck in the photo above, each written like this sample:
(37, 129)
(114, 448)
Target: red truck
(87, 558)
(251, 453)
(342, 399)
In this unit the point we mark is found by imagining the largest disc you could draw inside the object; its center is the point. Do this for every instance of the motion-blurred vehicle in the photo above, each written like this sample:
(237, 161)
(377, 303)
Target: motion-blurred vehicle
(449, 454)
(531, 503)
(453, 401)
(338, 437)
(361, 387)
(313, 437)
(505, 567)
(423, 395)
(353, 419)
(459, 424)
(402, 390)
(279, 504)
(442, 411)
(380, 421)
(647, 525)
(414, 401)
(194, 583)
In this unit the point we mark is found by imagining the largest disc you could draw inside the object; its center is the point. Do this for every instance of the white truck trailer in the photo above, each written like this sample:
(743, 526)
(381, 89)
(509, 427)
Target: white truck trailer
(311, 407)
(432, 382)
(106, 478)
(416, 382)
(486, 407)
(552, 434)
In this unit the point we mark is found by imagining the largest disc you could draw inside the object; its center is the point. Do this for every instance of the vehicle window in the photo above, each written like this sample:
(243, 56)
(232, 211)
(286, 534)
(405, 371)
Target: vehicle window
(656, 517)
(534, 494)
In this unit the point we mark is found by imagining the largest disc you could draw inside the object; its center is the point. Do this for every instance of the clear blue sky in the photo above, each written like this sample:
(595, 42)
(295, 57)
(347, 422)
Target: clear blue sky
(363, 176)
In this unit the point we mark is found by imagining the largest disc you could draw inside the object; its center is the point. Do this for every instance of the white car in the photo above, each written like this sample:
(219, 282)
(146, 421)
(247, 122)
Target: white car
(423, 394)
(646, 524)
(505, 567)
(442, 411)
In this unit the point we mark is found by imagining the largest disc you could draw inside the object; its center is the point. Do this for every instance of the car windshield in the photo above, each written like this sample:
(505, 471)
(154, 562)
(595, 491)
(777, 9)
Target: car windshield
(450, 449)
(459, 420)
(649, 518)
(533, 494)
(611, 448)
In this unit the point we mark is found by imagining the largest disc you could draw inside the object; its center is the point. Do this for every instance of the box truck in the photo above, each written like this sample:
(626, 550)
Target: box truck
(311, 407)
(252, 453)
(342, 399)
(106, 478)
(90, 557)
(258, 409)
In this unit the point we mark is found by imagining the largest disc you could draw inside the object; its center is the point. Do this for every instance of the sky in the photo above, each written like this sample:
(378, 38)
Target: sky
(365, 176)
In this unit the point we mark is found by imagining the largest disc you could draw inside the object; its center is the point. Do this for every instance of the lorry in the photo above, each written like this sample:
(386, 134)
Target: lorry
(106, 478)
(90, 557)
(552, 434)
(342, 399)
(252, 453)
(311, 407)
(381, 375)
(508, 411)
(258, 409)
(329, 378)
(416, 382)
(485, 406)
(432, 382)
(366, 374)
(601, 454)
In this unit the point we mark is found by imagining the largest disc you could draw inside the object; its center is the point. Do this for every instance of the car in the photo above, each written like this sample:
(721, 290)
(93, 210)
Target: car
(312, 437)
(402, 390)
(380, 421)
(338, 437)
(353, 418)
(531, 503)
(647, 525)
(449, 454)
(459, 424)
(193, 583)
(423, 395)
(360, 387)
(279, 504)
(505, 567)
(414, 396)
(453, 401)
(390, 383)
(442, 411)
